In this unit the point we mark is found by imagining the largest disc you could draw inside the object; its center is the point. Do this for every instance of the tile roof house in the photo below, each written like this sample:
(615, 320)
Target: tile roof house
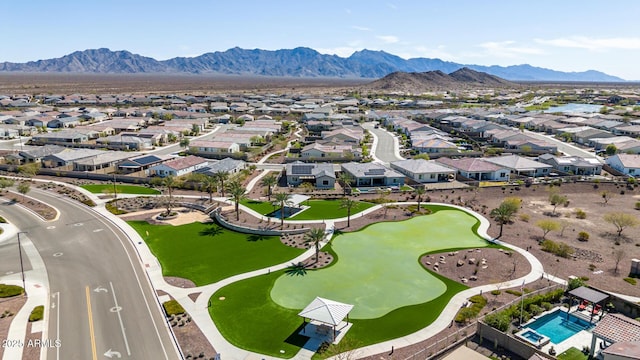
(322, 176)
(521, 166)
(216, 147)
(625, 163)
(477, 169)
(141, 163)
(372, 174)
(616, 329)
(329, 151)
(423, 171)
(179, 166)
(229, 165)
(573, 164)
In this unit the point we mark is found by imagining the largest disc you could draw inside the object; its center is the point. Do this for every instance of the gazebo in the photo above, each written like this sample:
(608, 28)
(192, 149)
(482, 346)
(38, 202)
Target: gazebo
(327, 312)
(615, 328)
(593, 297)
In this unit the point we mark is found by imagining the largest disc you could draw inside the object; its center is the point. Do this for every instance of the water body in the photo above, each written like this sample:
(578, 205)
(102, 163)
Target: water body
(574, 108)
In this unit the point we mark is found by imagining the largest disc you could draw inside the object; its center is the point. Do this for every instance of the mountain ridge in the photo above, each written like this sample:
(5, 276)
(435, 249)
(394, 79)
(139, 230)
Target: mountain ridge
(417, 82)
(298, 62)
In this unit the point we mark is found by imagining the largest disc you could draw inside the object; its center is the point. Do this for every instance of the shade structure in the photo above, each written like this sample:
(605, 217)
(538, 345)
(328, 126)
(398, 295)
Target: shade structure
(326, 311)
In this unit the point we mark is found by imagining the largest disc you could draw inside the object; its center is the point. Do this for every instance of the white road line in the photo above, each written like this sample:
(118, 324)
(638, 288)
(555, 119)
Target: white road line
(124, 335)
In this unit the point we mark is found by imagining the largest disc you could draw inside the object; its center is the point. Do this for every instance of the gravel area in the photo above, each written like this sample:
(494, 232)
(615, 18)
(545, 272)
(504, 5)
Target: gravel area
(8, 308)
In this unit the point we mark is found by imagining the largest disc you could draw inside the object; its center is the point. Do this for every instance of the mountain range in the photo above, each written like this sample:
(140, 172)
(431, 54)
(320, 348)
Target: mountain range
(299, 62)
(423, 81)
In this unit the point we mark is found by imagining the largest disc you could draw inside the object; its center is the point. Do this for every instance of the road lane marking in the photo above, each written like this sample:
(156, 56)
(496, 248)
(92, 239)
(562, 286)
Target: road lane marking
(124, 335)
(57, 306)
(94, 352)
(58, 254)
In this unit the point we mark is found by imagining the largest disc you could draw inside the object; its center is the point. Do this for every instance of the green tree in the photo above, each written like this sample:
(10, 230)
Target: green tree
(195, 129)
(281, 199)
(23, 188)
(170, 182)
(184, 143)
(269, 181)
(418, 192)
(6, 182)
(314, 236)
(547, 226)
(237, 193)
(505, 212)
(610, 150)
(29, 170)
(620, 220)
(209, 185)
(348, 204)
(221, 176)
(345, 180)
(556, 199)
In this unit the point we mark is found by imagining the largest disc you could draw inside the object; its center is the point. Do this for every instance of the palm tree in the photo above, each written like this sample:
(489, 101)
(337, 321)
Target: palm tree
(221, 176)
(345, 179)
(281, 199)
(209, 184)
(314, 237)
(237, 192)
(503, 214)
(169, 182)
(348, 204)
(269, 181)
(419, 191)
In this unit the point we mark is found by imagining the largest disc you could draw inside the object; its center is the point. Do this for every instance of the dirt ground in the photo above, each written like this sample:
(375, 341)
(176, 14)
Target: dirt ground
(9, 307)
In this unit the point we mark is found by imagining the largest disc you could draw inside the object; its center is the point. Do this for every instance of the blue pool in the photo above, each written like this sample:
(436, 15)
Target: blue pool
(288, 212)
(557, 327)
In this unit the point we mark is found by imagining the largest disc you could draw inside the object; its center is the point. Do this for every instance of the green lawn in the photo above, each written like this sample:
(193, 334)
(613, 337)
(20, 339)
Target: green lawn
(384, 310)
(206, 253)
(572, 354)
(319, 209)
(121, 189)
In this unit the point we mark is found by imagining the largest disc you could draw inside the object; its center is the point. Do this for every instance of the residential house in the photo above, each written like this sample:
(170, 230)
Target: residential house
(104, 162)
(372, 174)
(179, 166)
(229, 165)
(330, 151)
(423, 171)
(60, 137)
(521, 166)
(477, 169)
(207, 147)
(34, 154)
(65, 122)
(628, 164)
(141, 163)
(66, 157)
(125, 142)
(573, 164)
(433, 145)
(344, 135)
(321, 176)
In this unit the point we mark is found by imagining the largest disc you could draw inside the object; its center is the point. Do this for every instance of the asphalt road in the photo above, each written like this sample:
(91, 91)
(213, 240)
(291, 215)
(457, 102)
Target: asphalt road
(568, 149)
(385, 150)
(102, 304)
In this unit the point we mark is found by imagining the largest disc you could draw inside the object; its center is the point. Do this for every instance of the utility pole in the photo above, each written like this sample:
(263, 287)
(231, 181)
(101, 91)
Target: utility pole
(21, 262)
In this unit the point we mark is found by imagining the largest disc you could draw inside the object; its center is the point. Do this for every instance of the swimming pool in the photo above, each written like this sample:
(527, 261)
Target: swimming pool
(532, 337)
(558, 327)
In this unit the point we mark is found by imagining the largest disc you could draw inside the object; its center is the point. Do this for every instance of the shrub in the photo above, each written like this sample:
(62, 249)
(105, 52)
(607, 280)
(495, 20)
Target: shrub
(499, 320)
(513, 292)
(9, 290)
(495, 292)
(111, 207)
(3, 220)
(173, 307)
(37, 313)
(535, 309)
(638, 205)
(630, 280)
(575, 283)
(580, 214)
(525, 217)
(546, 305)
(557, 248)
(583, 236)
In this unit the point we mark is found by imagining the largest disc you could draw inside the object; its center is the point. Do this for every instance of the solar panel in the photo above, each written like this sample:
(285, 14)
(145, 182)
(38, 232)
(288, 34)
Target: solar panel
(375, 172)
(301, 169)
(147, 159)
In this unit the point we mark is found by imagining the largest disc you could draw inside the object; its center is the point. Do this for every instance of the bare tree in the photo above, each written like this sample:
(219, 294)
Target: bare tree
(618, 255)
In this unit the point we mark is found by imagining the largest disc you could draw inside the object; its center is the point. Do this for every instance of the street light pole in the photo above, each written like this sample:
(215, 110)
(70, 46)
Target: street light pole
(21, 262)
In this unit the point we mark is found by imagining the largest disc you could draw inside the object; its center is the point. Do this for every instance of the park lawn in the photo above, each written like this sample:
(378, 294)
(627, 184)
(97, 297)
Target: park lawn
(121, 189)
(206, 253)
(273, 328)
(318, 209)
(262, 207)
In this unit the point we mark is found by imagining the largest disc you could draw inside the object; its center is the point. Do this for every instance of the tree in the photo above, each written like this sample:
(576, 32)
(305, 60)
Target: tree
(419, 191)
(184, 143)
(170, 182)
(281, 199)
(221, 176)
(618, 255)
(6, 182)
(556, 199)
(345, 180)
(237, 192)
(383, 198)
(564, 224)
(610, 150)
(547, 226)
(29, 170)
(348, 204)
(23, 188)
(269, 181)
(314, 237)
(209, 184)
(424, 156)
(606, 196)
(195, 129)
(620, 220)
(505, 212)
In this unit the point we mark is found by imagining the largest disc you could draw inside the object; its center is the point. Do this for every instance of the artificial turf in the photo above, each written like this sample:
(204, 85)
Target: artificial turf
(121, 189)
(318, 209)
(206, 253)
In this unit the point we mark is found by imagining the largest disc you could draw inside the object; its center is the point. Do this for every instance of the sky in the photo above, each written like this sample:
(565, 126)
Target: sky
(565, 35)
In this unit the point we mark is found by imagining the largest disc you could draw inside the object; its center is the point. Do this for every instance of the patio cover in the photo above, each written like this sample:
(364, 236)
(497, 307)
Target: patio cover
(615, 328)
(326, 311)
(297, 199)
(590, 295)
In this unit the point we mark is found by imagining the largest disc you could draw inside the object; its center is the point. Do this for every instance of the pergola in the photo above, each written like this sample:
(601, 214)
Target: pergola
(592, 296)
(327, 312)
(615, 328)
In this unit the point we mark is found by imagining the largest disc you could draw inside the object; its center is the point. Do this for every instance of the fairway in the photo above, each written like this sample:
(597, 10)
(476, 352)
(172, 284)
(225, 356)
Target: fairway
(378, 269)
(120, 189)
(206, 253)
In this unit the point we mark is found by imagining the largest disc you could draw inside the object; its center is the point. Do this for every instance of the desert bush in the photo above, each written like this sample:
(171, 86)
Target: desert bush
(10, 290)
(37, 313)
(637, 205)
(630, 280)
(580, 214)
(3, 220)
(557, 248)
(583, 236)
(173, 307)
(495, 292)
(513, 292)
(525, 217)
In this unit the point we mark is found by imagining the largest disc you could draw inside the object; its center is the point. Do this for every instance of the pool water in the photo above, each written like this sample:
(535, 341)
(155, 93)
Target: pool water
(531, 336)
(288, 212)
(557, 327)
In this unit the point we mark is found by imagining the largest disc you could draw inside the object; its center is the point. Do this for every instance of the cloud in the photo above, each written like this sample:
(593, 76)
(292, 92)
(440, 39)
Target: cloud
(507, 49)
(361, 28)
(389, 39)
(342, 51)
(594, 44)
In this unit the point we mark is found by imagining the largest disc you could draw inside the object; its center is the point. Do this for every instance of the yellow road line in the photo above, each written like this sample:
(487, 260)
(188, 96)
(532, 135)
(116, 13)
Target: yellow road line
(91, 333)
